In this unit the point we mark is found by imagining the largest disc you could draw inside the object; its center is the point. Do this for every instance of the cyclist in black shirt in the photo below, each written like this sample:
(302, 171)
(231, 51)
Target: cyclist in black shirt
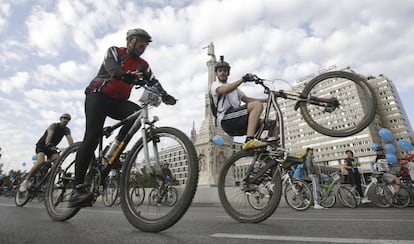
(46, 146)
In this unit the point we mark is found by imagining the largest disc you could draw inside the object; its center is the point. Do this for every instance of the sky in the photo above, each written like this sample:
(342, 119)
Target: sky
(51, 49)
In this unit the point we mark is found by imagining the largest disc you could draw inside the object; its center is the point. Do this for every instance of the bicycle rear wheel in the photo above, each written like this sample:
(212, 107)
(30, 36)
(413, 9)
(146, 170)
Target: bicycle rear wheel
(400, 199)
(298, 195)
(357, 101)
(162, 143)
(235, 193)
(347, 198)
(60, 185)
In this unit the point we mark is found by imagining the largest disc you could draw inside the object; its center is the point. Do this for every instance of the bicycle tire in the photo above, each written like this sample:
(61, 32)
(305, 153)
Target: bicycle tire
(303, 200)
(138, 193)
(399, 200)
(172, 196)
(110, 194)
(228, 187)
(153, 197)
(327, 201)
(164, 217)
(365, 91)
(56, 204)
(22, 198)
(347, 198)
(379, 198)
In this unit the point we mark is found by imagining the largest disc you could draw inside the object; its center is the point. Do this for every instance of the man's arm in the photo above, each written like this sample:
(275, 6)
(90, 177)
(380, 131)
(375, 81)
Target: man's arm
(224, 89)
(70, 139)
(49, 136)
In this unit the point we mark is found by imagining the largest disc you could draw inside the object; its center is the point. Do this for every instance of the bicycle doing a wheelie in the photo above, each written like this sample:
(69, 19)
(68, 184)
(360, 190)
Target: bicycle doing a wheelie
(325, 106)
(142, 164)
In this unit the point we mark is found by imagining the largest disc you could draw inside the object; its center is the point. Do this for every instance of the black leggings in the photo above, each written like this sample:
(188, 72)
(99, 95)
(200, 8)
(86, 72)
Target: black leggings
(97, 107)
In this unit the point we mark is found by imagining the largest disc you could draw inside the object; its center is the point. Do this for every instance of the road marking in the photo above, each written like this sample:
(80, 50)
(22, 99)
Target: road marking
(308, 239)
(325, 219)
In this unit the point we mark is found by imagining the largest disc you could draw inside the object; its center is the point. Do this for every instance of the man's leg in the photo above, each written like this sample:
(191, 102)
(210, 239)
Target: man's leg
(315, 191)
(41, 158)
(255, 110)
(96, 106)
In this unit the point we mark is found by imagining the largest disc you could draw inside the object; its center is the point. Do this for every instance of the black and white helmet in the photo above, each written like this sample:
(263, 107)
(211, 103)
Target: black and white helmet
(66, 115)
(221, 64)
(139, 32)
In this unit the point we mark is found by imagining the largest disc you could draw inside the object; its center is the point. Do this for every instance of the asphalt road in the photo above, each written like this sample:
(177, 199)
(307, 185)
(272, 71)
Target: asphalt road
(203, 224)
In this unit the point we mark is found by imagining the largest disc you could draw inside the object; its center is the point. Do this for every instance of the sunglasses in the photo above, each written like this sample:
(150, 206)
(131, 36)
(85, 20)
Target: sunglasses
(65, 118)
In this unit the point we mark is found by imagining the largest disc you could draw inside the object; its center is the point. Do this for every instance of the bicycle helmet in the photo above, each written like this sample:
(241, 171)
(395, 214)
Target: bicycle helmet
(221, 64)
(139, 32)
(379, 148)
(66, 115)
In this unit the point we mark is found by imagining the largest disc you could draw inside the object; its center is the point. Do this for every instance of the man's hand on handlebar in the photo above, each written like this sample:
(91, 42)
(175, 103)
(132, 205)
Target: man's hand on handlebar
(168, 99)
(249, 77)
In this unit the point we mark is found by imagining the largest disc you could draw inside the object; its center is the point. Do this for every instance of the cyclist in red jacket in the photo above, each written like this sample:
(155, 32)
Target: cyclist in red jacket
(107, 95)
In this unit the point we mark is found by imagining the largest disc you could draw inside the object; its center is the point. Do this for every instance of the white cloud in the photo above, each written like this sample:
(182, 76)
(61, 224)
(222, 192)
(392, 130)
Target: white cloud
(57, 49)
(17, 81)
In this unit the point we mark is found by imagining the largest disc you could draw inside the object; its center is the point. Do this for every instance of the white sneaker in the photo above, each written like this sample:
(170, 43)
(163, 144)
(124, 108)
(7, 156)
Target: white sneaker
(365, 200)
(317, 206)
(23, 186)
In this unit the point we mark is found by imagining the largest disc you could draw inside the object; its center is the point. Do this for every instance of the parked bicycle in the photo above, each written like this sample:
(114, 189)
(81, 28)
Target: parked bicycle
(331, 189)
(146, 155)
(298, 193)
(374, 191)
(243, 173)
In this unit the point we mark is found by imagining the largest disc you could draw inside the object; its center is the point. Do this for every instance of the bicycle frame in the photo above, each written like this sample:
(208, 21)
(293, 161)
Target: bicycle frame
(329, 104)
(140, 119)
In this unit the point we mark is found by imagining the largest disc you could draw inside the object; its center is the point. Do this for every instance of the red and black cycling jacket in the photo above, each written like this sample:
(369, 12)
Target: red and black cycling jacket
(116, 63)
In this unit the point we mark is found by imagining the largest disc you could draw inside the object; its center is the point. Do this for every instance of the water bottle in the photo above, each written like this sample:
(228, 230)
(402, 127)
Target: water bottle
(111, 149)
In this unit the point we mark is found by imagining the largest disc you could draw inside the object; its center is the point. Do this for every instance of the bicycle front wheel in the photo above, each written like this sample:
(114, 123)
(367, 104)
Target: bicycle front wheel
(60, 185)
(346, 197)
(327, 200)
(21, 198)
(110, 193)
(357, 104)
(298, 195)
(379, 196)
(167, 144)
(235, 192)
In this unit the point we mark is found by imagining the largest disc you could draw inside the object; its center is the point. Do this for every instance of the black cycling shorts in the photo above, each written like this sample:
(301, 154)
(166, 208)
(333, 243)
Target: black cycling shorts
(43, 149)
(235, 121)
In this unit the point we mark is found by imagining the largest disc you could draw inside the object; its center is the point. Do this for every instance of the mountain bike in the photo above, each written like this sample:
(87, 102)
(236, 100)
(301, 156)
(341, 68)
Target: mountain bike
(331, 189)
(325, 106)
(36, 184)
(143, 162)
(167, 196)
